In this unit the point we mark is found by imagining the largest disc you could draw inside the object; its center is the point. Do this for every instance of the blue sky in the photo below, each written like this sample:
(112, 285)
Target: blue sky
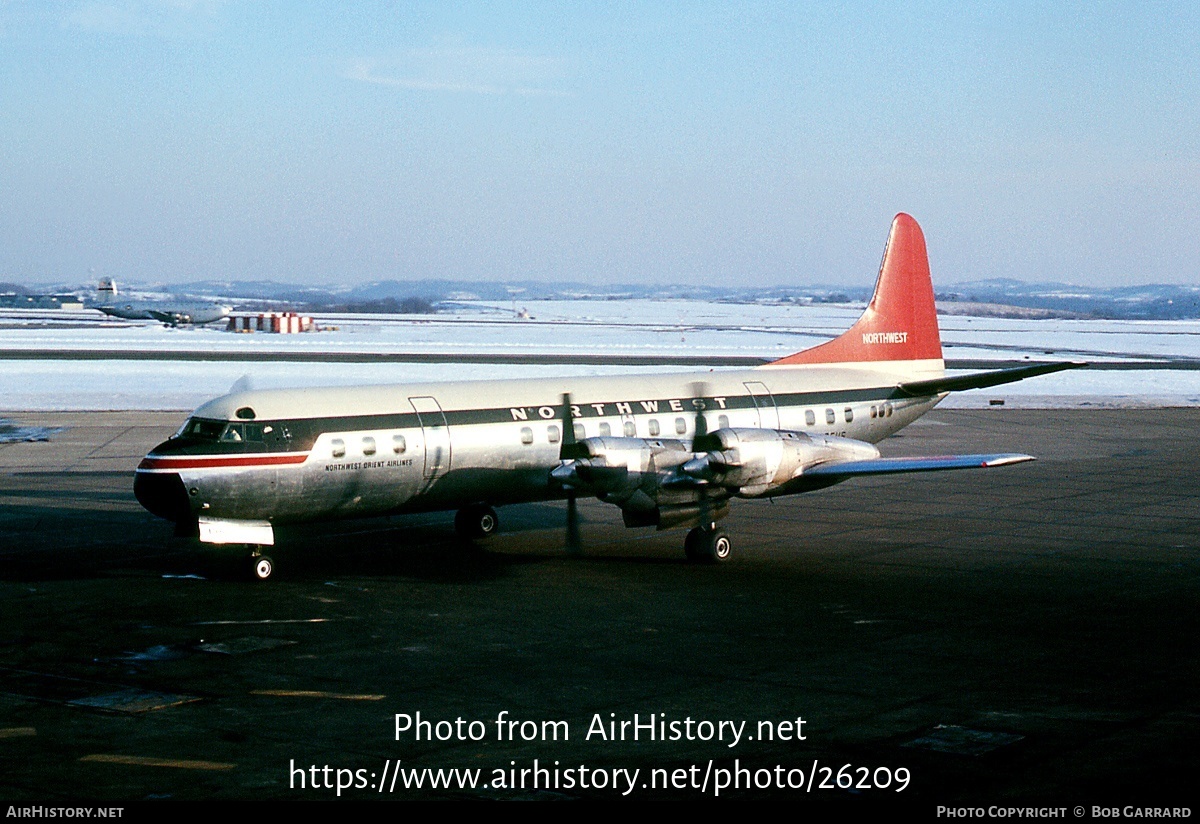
(619, 142)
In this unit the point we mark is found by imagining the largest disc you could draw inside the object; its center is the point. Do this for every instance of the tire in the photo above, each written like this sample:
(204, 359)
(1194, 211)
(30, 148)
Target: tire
(476, 521)
(262, 567)
(708, 546)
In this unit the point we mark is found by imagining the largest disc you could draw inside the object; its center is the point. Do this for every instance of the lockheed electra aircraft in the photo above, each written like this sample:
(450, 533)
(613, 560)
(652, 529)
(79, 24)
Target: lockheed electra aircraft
(667, 450)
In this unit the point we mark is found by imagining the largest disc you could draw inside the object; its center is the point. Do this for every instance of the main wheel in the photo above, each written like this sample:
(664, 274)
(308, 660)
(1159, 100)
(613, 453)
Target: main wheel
(261, 567)
(707, 545)
(476, 521)
(719, 546)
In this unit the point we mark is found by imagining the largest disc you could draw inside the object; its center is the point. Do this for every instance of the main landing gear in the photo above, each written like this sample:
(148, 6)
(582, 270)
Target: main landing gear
(707, 545)
(476, 521)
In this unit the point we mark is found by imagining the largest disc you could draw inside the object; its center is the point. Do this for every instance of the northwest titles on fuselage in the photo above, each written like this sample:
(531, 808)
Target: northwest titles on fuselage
(601, 410)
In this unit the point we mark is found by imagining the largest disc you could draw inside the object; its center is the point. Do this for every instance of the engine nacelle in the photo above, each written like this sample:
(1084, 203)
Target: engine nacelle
(756, 462)
(613, 468)
(665, 483)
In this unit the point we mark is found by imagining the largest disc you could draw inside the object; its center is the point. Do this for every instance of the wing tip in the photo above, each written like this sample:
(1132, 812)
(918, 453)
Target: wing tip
(1005, 460)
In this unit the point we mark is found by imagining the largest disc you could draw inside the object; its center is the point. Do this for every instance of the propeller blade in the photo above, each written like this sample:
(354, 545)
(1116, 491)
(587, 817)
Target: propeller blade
(570, 449)
(573, 542)
(702, 441)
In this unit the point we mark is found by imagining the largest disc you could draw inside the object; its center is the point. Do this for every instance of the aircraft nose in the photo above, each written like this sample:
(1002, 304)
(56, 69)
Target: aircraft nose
(163, 494)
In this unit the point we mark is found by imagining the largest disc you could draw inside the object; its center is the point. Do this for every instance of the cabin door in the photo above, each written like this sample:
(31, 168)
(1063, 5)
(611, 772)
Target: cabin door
(768, 413)
(436, 435)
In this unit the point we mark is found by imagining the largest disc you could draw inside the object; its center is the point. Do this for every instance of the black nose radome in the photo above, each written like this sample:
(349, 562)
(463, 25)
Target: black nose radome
(163, 494)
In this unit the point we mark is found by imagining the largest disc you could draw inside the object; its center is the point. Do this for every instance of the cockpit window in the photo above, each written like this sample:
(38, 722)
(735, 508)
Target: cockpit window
(201, 430)
(234, 433)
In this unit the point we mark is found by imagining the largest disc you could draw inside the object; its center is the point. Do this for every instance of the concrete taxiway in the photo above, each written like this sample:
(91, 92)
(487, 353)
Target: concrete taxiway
(1017, 636)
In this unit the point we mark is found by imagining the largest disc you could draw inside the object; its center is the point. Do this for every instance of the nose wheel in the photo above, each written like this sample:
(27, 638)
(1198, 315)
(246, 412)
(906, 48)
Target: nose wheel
(261, 567)
(707, 546)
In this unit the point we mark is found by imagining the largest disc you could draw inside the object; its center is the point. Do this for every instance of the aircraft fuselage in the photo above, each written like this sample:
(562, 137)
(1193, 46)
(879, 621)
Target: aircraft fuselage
(293, 455)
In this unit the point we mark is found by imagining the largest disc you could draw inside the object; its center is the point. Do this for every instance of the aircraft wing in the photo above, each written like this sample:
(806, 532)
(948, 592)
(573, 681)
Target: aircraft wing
(982, 380)
(888, 466)
(170, 317)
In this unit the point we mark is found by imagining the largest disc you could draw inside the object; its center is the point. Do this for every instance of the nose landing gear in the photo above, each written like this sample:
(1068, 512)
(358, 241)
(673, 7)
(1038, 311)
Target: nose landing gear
(261, 566)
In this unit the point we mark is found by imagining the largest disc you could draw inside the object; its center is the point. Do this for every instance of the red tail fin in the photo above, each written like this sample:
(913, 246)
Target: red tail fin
(901, 321)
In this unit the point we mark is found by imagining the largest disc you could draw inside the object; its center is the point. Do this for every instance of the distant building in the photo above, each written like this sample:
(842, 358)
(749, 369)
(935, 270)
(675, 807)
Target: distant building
(12, 300)
(278, 322)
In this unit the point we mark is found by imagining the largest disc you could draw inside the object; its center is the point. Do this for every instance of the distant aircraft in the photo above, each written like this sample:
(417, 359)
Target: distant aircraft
(170, 312)
(667, 450)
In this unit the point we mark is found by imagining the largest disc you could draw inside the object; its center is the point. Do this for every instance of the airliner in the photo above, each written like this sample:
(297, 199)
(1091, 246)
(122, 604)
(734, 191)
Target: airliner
(171, 313)
(666, 450)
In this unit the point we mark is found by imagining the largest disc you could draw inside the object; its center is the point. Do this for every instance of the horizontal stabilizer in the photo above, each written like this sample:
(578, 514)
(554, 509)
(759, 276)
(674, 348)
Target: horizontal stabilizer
(888, 466)
(982, 380)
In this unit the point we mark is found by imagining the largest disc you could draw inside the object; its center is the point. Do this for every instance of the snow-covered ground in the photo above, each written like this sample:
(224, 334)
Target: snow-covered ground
(596, 328)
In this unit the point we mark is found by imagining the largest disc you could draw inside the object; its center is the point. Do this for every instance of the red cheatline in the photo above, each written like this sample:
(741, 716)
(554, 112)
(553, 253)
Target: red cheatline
(203, 462)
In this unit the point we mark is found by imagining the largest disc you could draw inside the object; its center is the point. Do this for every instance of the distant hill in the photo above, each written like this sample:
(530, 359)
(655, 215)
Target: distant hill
(994, 297)
(1145, 302)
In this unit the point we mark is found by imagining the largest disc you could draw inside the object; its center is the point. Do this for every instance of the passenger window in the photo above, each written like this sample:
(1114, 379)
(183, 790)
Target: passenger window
(526, 435)
(680, 426)
(872, 411)
(830, 416)
(552, 434)
(580, 432)
(810, 419)
(654, 430)
(849, 414)
(339, 447)
(368, 446)
(605, 430)
(723, 421)
(232, 433)
(630, 429)
(888, 407)
(398, 444)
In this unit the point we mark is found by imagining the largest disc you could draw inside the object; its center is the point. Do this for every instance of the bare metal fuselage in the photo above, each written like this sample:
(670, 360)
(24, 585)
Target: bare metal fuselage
(373, 450)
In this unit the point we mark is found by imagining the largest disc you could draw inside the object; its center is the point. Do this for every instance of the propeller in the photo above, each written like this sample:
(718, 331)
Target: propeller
(702, 441)
(570, 450)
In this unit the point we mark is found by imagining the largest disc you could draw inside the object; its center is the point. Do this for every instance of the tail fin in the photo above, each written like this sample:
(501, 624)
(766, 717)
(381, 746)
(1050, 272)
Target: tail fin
(900, 323)
(107, 286)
